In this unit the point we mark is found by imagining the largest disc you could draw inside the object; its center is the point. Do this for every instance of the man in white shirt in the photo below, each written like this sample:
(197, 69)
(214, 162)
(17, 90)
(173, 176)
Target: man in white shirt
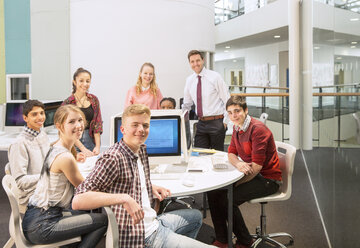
(208, 91)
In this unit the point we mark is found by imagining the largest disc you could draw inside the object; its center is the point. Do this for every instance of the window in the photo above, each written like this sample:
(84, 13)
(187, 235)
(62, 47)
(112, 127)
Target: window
(18, 87)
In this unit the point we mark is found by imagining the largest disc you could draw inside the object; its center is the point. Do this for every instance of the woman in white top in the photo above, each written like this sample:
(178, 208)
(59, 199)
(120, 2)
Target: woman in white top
(49, 218)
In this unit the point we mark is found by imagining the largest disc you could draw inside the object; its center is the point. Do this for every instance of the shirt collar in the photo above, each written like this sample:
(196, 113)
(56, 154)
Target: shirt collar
(132, 155)
(245, 124)
(31, 131)
(143, 88)
(201, 74)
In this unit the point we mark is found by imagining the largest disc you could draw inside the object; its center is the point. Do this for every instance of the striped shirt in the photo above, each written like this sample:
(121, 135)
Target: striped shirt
(116, 171)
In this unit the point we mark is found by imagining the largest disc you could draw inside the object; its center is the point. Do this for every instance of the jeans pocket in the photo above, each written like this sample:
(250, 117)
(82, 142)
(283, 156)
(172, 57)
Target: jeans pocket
(150, 240)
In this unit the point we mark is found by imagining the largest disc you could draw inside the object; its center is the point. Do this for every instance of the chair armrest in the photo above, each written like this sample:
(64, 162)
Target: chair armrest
(112, 233)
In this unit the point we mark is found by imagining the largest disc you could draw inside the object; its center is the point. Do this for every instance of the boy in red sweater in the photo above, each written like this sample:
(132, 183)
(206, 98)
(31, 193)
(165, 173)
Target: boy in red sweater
(254, 143)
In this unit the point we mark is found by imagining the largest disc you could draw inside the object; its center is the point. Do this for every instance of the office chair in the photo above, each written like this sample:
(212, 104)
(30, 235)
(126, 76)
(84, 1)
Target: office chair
(15, 228)
(263, 117)
(286, 154)
(22, 210)
(357, 119)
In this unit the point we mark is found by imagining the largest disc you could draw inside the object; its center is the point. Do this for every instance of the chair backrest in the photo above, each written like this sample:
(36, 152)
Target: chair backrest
(357, 119)
(11, 189)
(263, 117)
(286, 153)
(15, 228)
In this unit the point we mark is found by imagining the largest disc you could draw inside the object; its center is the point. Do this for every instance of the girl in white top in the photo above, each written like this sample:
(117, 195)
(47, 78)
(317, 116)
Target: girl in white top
(48, 218)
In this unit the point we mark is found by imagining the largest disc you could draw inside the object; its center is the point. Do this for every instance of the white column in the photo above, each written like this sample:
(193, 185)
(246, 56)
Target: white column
(50, 50)
(307, 60)
(294, 64)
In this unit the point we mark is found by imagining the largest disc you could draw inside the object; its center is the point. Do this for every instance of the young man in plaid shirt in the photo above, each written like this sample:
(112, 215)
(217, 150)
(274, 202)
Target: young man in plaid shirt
(121, 179)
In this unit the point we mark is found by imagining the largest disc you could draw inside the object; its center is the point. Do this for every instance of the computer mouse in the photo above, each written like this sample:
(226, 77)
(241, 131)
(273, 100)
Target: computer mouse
(188, 181)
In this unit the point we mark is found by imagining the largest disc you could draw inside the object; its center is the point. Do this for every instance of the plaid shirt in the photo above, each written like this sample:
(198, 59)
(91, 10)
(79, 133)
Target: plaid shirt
(116, 172)
(96, 124)
(31, 131)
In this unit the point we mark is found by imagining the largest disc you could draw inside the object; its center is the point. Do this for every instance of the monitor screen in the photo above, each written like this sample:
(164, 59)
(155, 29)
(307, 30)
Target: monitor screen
(164, 137)
(50, 109)
(13, 114)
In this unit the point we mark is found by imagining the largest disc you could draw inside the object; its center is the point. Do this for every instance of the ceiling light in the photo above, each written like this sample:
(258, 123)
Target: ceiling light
(316, 48)
(353, 47)
(276, 36)
(226, 51)
(354, 42)
(338, 57)
(227, 47)
(234, 60)
(354, 19)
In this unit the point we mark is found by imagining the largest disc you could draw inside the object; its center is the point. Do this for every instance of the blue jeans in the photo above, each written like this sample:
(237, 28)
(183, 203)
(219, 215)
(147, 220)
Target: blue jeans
(177, 228)
(87, 141)
(57, 224)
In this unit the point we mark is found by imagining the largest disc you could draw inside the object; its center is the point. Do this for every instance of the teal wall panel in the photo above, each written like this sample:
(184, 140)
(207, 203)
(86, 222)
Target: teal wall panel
(17, 36)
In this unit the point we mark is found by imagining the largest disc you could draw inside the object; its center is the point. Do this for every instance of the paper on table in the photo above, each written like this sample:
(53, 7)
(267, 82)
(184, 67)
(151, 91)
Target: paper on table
(201, 150)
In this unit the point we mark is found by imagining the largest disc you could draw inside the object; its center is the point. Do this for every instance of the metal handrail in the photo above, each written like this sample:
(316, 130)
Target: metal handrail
(320, 95)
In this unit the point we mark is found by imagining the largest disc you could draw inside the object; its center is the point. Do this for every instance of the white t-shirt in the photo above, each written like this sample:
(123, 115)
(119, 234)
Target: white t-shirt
(150, 221)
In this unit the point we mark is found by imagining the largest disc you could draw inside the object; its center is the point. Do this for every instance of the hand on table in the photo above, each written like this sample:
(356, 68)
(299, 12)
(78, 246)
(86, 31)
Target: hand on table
(96, 150)
(160, 192)
(244, 167)
(80, 157)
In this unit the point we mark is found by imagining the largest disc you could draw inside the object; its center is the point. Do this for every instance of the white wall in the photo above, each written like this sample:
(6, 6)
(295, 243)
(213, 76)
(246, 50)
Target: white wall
(50, 49)
(114, 38)
(323, 66)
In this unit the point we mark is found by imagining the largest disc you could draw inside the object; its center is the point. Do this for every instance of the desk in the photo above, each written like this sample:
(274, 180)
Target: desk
(207, 181)
(204, 181)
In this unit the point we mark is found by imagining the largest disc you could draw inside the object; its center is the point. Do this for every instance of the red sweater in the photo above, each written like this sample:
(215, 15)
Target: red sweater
(257, 145)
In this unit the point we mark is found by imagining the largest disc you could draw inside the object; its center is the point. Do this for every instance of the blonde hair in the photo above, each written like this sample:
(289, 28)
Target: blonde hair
(153, 85)
(135, 109)
(61, 115)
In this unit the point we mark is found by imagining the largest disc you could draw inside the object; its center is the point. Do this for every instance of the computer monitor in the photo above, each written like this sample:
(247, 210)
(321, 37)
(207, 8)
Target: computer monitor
(14, 121)
(168, 141)
(50, 109)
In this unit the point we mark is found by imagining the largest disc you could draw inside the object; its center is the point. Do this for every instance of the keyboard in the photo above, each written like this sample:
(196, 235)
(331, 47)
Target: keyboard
(219, 161)
(165, 176)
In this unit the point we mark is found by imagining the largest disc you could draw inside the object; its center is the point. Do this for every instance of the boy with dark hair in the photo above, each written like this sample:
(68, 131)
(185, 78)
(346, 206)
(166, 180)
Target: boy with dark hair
(254, 143)
(27, 154)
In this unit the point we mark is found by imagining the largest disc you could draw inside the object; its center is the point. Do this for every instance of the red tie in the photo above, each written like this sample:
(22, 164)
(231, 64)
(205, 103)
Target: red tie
(199, 100)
